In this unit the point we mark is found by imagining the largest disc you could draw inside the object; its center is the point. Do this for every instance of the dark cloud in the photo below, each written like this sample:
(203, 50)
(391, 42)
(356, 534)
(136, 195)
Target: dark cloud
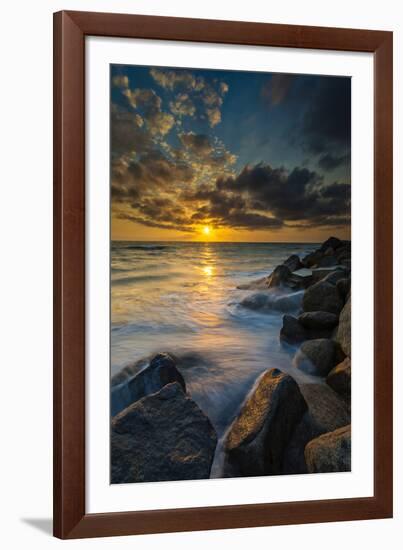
(329, 162)
(275, 90)
(327, 122)
(298, 195)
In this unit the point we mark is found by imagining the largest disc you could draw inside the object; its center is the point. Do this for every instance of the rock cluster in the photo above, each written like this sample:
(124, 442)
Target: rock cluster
(284, 427)
(162, 434)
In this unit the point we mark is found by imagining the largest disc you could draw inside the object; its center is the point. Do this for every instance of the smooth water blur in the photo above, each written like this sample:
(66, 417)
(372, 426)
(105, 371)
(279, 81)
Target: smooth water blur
(182, 298)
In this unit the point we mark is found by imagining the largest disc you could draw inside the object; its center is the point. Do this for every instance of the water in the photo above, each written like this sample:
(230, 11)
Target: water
(182, 298)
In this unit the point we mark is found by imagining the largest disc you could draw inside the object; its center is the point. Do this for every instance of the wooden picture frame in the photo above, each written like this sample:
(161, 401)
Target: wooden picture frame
(70, 517)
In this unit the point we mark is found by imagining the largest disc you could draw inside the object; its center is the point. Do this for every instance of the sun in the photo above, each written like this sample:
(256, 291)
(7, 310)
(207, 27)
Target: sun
(206, 230)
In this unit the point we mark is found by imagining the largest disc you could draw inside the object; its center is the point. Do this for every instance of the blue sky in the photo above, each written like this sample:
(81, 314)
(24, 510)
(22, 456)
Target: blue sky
(255, 156)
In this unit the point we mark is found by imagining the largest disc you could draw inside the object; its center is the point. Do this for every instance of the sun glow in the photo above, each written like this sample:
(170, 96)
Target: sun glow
(206, 230)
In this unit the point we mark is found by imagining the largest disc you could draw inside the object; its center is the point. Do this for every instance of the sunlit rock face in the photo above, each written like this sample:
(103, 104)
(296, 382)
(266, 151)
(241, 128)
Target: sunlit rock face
(330, 452)
(256, 440)
(344, 329)
(163, 437)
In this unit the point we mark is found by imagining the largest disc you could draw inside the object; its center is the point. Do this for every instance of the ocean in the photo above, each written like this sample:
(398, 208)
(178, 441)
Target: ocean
(182, 298)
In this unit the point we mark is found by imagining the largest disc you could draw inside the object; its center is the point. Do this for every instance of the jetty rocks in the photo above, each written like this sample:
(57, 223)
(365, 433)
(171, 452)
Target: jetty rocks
(163, 434)
(259, 435)
(316, 328)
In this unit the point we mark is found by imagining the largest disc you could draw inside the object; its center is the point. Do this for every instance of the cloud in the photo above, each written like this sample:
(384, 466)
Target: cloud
(298, 195)
(182, 105)
(329, 162)
(120, 81)
(197, 94)
(178, 78)
(327, 122)
(127, 133)
(275, 90)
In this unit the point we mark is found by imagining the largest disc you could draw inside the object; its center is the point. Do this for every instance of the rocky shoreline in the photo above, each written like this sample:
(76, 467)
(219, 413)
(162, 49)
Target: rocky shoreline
(159, 433)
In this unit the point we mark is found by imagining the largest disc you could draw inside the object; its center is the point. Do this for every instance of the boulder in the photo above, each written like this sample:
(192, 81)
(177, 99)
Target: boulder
(293, 263)
(327, 261)
(288, 302)
(326, 412)
(161, 371)
(292, 331)
(344, 329)
(335, 276)
(162, 437)
(312, 259)
(257, 438)
(278, 277)
(257, 284)
(330, 452)
(343, 285)
(318, 320)
(320, 273)
(257, 301)
(322, 296)
(268, 302)
(339, 378)
(318, 356)
(332, 242)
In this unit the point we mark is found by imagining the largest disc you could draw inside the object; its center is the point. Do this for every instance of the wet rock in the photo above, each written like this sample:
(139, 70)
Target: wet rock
(322, 296)
(327, 261)
(257, 284)
(257, 301)
(330, 452)
(321, 273)
(318, 320)
(293, 263)
(344, 329)
(339, 378)
(343, 286)
(256, 440)
(161, 371)
(318, 357)
(269, 302)
(288, 302)
(327, 411)
(164, 436)
(332, 242)
(335, 276)
(312, 259)
(279, 276)
(292, 331)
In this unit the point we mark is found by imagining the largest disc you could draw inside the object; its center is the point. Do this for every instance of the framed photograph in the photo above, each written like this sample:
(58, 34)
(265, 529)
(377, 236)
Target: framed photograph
(223, 274)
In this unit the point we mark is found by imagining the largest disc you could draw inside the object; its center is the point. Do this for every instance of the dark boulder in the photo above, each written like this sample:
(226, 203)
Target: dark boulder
(327, 261)
(293, 263)
(162, 437)
(343, 286)
(279, 276)
(318, 356)
(312, 259)
(335, 276)
(161, 371)
(318, 320)
(339, 378)
(327, 411)
(256, 440)
(288, 302)
(292, 331)
(332, 242)
(344, 329)
(322, 296)
(269, 302)
(330, 452)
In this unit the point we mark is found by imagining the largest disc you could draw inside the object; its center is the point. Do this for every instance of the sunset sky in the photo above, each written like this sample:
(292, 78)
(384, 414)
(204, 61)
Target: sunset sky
(229, 156)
